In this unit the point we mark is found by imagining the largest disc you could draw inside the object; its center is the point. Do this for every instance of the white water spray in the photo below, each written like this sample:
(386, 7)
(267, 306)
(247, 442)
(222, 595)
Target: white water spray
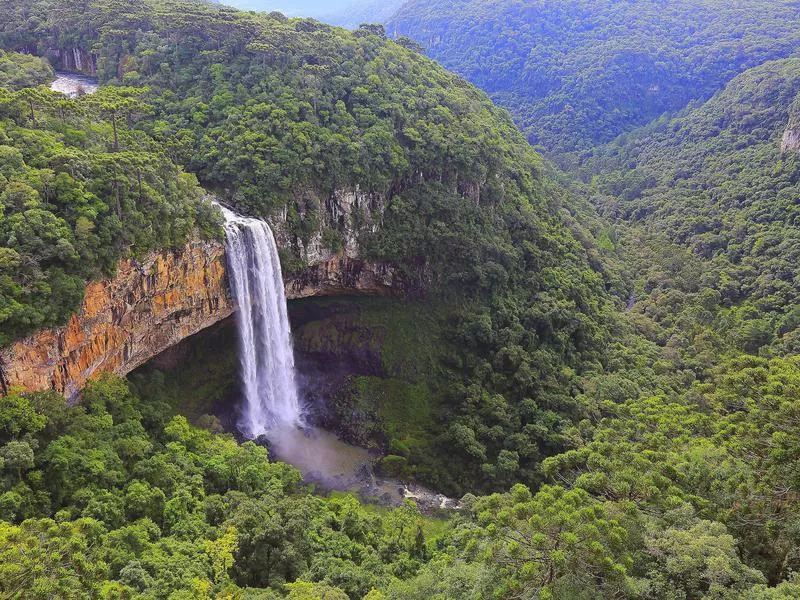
(267, 358)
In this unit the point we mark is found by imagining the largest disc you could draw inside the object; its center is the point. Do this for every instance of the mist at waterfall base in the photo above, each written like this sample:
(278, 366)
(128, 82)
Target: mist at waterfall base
(271, 406)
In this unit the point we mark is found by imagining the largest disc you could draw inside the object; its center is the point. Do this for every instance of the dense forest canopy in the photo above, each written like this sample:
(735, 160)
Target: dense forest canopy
(21, 70)
(263, 109)
(297, 8)
(715, 182)
(576, 73)
(645, 453)
(79, 189)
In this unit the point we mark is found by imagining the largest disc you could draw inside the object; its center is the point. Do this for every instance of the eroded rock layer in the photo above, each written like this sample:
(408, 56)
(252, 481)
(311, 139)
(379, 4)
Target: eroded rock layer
(154, 304)
(124, 321)
(342, 275)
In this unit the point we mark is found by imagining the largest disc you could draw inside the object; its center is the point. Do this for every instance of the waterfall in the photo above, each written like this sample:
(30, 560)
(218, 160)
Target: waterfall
(267, 359)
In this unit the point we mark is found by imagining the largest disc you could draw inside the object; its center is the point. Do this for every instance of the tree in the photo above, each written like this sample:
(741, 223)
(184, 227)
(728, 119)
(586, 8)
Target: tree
(556, 541)
(306, 590)
(117, 102)
(42, 559)
(371, 29)
(410, 44)
(18, 417)
(220, 554)
(36, 97)
(17, 456)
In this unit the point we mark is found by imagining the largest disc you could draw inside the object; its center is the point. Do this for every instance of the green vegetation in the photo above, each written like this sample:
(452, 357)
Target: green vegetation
(79, 189)
(575, 74)
(380, 361)
(118, 498)
(645, 454)
(196, 376)
(263, 108)
(469, 399)
(18, 71)
(713, 202)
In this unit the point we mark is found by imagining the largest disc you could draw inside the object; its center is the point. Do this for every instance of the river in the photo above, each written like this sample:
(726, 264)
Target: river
(73, 85)
(332, 464)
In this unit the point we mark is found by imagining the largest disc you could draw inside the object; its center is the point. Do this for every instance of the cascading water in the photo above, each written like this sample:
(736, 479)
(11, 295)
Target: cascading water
(267, 358)
(268, 374)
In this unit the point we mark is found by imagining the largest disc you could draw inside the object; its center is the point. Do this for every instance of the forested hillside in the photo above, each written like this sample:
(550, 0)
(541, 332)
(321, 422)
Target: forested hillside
(276, 114)
(577, 73)
(79, 189)
(643, 450)
(690, 425)
(20, 70)
(715, 184)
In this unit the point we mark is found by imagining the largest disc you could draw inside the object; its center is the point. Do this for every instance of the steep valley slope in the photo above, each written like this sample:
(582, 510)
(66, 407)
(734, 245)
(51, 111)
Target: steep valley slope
(353, 146)
(609, 354)
(575, 74)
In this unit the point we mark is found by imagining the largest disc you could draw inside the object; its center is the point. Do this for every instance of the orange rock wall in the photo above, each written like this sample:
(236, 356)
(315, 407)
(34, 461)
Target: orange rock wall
(124, 321)
(152, 305)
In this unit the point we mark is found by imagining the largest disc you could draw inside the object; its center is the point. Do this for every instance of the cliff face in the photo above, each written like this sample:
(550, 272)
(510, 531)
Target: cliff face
(151, 306)
(75, 60)
(342, 275)
(345, 213)
(124, 321)
(348, 213)
(791, 139)
(791, 136)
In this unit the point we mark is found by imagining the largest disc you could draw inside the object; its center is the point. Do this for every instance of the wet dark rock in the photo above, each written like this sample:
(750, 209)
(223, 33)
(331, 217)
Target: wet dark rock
(263, 441)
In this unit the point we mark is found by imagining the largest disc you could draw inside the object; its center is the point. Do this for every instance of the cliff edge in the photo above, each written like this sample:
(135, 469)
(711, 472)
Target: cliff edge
(152, 305)
(124, 321)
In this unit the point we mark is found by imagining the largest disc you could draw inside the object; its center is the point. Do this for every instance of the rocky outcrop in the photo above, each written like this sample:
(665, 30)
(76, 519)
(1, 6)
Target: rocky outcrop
(124, 321)
(150, 306)
(154, 304)
(346, 213)
(342, 275)
(791, 139)
(791, 136)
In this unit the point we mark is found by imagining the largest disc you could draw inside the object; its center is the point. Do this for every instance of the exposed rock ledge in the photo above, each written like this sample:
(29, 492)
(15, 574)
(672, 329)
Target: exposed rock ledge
(791, 139)
(152, 305)
(124, 321)
(343, 275)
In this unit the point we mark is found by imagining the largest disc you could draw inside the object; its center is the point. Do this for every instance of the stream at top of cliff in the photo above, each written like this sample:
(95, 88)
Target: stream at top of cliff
(73, 85)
